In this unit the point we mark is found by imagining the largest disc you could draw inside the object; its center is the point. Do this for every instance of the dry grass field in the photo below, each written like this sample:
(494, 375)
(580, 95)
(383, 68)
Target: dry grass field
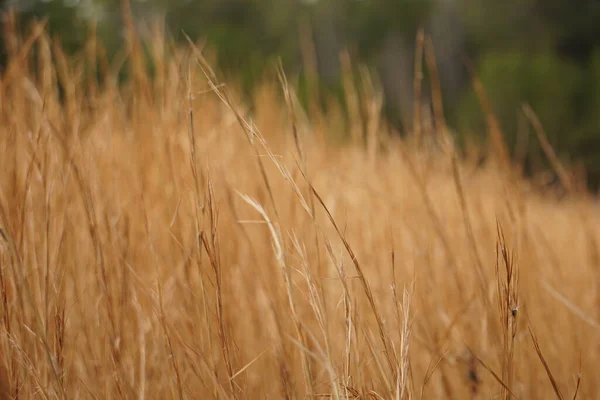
(158, 240)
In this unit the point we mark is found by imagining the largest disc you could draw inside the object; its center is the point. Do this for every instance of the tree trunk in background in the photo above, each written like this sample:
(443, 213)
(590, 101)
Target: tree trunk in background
(328, 45)
(395, 69)
(449, 40)
(395, 62)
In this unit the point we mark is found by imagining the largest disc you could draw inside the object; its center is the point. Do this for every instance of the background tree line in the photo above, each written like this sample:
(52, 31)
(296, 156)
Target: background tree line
(542, 52)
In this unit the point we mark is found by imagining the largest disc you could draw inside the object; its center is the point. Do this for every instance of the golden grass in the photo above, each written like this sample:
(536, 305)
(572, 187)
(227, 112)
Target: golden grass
(159, 242)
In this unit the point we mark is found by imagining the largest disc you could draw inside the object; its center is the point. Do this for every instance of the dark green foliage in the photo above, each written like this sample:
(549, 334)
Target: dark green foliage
(248, 35)
(64, 21)
(370, 21)
(549, 85)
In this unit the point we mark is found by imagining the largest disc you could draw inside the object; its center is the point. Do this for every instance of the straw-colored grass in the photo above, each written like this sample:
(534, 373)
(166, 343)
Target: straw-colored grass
(158, 241)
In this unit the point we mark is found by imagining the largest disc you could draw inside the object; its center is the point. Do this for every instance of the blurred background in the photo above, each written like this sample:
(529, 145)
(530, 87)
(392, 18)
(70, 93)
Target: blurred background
(545, 53)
